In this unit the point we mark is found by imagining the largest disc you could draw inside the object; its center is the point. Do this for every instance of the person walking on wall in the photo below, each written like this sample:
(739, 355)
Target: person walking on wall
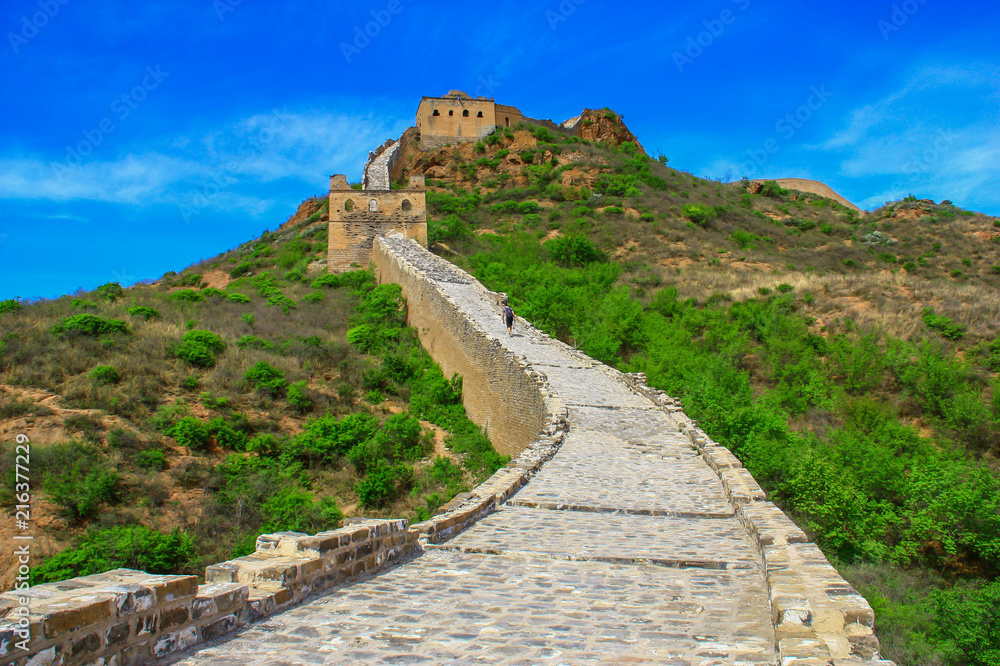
(508, 318)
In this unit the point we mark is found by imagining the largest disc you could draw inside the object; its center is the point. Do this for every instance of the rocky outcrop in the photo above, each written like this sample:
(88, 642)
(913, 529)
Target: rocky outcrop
(602, 126)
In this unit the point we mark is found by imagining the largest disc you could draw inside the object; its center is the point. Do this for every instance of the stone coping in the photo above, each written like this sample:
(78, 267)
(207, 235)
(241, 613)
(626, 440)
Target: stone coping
(818, 617)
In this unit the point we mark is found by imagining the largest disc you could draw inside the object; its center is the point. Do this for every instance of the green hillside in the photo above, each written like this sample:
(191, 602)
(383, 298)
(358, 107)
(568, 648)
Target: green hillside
(849, 360)
(173, 423)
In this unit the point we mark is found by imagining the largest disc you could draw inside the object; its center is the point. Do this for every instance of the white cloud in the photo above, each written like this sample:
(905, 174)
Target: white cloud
(934, 137)
(222, 168)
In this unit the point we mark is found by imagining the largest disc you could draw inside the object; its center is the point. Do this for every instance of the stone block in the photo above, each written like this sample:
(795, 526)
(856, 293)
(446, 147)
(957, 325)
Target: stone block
(171, 588)
(131, 598)
(219, 598)
(174, 617)
(75, 613)
(219, 627)
(117, 634)
(791, 610)
(173, 641)
(86, 646)
(135, 655)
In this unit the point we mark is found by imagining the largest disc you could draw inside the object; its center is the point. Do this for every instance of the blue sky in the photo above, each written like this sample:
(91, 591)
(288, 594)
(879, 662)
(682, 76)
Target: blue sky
(141, 137)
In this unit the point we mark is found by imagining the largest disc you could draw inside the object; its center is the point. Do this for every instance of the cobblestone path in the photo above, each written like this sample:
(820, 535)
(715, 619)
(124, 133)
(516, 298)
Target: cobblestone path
(623, 549)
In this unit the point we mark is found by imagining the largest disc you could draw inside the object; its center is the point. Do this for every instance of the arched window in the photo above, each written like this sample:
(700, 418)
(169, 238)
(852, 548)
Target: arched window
(436, 113)
(373, 206)
(451, 112)
(479, 115)
(348, 205)
(465, 114)
(406, 205)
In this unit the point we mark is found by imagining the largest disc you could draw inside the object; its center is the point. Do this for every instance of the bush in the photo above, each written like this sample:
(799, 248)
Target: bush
(104, 374)
(133, 547)
(745, 240)
(187, 296)
(154, 459)
(110, 292)
(144, 313)
(698, 214)
(199, 348)
(240, 269)
(293, 509)
(773, 190)
(239, 298)
(299, 397)
(89, 324)
(266, 378)
(78, 480)
(383, 484)
(189, 431)
(573, 250)
(10, 305)
(945, 326)
(84, 304)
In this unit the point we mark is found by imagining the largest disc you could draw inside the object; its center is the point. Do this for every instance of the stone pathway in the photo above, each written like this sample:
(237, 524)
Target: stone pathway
(623, 549)
(376, 175)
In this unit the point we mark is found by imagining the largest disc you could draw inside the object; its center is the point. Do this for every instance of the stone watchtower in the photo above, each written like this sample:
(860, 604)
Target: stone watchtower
(357, 216)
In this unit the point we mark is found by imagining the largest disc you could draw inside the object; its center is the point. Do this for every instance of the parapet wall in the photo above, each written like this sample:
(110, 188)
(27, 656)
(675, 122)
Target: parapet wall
(497, 389)
(818, 617)
(127, 617)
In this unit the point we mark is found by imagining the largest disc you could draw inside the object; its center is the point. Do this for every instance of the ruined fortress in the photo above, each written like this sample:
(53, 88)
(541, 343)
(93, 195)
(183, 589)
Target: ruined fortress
(357, 216)
(618, 530)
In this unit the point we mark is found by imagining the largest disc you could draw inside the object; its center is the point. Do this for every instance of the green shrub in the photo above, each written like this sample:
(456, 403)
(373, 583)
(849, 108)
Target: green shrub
(89, 324)
(744, 239)
(84, 304)
(383, 484)
(10, 305)
(573, 250)
(299, 397)
(77, 478)
(110, 292)
(144, 313)
(945, 326)
(186, 296)
(153, 459)
(266, 378)
(254, 342)
(212, 292)
(199, 348)
(698, 214)
(773, 190)
(240, 269)
(909, 267)
(104, 374)
(293, 509)
(784, 288)
(132, 547)
(189, 431)
(239, 298)
(314, 297)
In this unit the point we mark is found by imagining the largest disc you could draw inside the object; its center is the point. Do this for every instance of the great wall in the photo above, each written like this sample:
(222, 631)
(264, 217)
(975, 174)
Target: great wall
(619, 532)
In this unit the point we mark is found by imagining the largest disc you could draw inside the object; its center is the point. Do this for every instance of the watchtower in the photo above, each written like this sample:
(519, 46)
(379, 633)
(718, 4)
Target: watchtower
(357, 216)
